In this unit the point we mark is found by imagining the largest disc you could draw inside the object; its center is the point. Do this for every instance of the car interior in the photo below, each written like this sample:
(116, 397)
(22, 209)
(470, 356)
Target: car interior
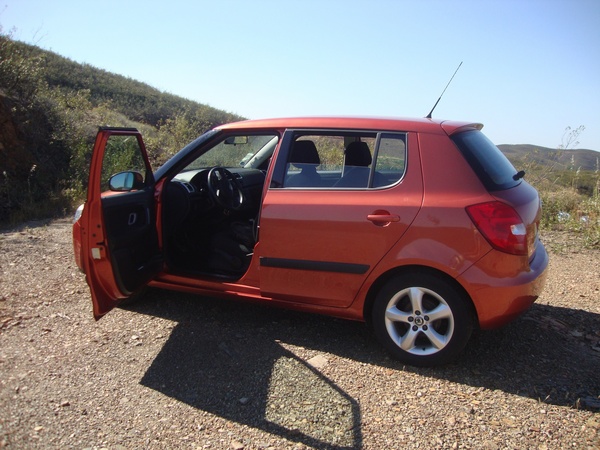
(211, 208)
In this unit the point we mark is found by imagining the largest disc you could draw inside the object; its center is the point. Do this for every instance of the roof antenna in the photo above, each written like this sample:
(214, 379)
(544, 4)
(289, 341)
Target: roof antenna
(438, 100)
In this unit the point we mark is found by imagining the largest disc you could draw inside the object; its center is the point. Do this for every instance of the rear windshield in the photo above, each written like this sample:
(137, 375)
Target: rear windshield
(491, 166)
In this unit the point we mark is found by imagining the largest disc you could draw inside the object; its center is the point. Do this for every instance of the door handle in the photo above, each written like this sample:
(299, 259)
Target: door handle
(132, 219)
(383, 219)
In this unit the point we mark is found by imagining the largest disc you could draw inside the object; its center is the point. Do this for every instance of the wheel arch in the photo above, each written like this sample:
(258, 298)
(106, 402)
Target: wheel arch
(415, 268)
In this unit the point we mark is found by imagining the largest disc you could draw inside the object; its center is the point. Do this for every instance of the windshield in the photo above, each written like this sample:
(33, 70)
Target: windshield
(237, 151)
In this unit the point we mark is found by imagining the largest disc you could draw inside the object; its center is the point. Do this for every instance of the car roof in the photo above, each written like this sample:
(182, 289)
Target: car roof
(422, 125)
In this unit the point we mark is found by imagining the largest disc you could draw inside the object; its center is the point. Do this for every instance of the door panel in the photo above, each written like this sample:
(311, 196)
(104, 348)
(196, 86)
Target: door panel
(132, 238)
(318, 247)
(119, 234)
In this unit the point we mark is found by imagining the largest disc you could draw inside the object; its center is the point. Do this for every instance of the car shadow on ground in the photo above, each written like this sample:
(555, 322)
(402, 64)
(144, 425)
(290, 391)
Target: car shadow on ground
(230, 359)
(227, 358)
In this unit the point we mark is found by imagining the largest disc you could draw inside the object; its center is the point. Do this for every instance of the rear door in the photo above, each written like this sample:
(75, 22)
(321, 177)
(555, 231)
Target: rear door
(319, 240)
(119, 230)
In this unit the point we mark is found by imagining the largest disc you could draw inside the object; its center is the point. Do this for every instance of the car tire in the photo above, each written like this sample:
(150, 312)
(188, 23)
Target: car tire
(421, 319)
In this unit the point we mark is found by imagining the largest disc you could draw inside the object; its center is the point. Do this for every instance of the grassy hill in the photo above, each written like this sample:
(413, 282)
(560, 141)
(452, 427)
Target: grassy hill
(554, 169)
(50, 110)
(137, 101)
(561, 159)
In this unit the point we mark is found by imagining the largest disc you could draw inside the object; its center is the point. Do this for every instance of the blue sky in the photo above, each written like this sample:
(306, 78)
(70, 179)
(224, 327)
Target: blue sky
(530, 68)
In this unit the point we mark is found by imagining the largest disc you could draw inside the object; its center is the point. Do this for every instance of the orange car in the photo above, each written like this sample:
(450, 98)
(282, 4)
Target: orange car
(419, 226)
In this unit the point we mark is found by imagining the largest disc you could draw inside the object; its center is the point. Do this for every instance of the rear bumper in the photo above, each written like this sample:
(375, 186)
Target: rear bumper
(502, 286)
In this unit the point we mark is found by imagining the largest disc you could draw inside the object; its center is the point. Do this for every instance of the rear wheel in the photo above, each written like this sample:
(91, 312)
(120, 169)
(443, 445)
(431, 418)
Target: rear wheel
(422, 319)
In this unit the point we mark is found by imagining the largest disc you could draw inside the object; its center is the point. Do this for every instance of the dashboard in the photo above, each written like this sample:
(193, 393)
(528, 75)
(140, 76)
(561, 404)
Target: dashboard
(188, 195)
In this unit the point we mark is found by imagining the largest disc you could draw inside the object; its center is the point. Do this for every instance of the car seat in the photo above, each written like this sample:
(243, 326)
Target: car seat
(357, 159)
(305, 157)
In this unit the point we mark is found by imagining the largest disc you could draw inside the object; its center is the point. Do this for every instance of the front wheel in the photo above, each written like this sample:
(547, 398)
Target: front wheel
(422, 319)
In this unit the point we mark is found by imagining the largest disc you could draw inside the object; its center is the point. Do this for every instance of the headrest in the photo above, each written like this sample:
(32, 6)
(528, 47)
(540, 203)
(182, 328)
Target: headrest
(358, 154)
(305, 152)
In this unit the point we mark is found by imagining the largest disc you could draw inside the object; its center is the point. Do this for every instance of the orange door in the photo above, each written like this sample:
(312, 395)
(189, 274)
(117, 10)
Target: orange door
(319, 245)
(119, 237)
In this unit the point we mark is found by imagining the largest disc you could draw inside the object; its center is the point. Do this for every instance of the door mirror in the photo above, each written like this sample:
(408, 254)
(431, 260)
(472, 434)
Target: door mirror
(126, 181)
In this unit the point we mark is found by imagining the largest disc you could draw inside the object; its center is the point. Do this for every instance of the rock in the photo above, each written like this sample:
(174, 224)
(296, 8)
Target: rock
(236, 445)
(593, 422)
(318, 362)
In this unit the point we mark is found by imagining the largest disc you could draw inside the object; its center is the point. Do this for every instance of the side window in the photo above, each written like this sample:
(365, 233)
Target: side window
(315, 161)
(342, 160)
(122, 153)
(391, 159)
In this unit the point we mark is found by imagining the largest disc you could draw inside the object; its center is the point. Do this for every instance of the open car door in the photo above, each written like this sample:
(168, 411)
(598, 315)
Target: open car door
(119, 234)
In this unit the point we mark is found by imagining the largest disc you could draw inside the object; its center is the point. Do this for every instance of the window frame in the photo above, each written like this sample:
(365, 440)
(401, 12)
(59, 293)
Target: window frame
(290, 135)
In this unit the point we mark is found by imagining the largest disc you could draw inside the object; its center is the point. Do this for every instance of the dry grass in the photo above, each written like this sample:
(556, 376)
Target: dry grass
(566, 210)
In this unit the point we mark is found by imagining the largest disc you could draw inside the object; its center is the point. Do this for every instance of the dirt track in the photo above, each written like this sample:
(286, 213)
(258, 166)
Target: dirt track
(188, 372)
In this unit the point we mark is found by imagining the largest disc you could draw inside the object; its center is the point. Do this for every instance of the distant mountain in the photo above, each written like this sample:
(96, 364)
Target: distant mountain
(559, 159)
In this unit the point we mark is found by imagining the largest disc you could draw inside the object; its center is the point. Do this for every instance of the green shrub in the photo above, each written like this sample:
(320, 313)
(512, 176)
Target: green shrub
(567, 210)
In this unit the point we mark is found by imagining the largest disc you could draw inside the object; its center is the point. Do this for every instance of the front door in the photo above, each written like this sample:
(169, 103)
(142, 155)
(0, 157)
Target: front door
(119, 234)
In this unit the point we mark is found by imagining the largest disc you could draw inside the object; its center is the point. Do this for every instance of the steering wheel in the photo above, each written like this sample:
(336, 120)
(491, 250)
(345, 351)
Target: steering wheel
(225, 189)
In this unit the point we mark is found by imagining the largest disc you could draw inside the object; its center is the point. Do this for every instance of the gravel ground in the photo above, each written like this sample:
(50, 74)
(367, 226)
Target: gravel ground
(178, 371)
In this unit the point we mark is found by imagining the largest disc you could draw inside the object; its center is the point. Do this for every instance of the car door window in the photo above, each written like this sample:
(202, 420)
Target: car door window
(355, 160)
(122, 153)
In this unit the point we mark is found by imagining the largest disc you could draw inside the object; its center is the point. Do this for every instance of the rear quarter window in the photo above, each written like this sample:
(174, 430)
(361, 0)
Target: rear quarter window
(491, 166)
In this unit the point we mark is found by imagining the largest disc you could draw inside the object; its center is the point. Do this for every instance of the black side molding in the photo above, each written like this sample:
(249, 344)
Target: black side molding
(317, 266)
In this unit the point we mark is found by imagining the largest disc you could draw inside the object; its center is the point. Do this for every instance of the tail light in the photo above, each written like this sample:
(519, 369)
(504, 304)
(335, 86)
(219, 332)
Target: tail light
(503, 228)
